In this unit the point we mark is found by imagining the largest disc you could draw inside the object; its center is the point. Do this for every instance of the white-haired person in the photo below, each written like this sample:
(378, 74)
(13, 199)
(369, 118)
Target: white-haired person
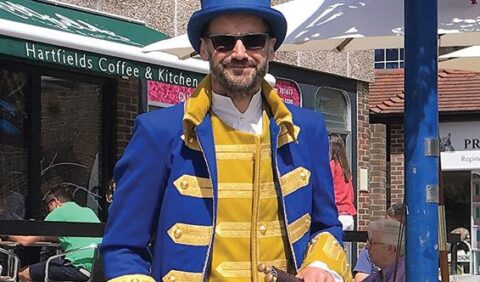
(386, 250)
(364, 266)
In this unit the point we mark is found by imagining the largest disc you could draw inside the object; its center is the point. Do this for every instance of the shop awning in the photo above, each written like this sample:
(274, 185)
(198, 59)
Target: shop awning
(81, 22)
(62, 34)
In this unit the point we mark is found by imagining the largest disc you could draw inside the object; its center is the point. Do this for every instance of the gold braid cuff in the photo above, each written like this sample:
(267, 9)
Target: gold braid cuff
(325, 248)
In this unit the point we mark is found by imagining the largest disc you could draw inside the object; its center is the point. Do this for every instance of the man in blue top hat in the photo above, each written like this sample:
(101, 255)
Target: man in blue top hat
(233, 181)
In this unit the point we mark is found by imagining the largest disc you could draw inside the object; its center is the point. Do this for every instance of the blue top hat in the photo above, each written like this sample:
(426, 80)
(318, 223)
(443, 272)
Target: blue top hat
(214, 8)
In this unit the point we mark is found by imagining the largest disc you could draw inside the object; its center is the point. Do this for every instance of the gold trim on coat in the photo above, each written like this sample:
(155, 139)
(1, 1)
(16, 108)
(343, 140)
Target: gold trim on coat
(245, 190)
(189, 185)
(299, 228)
(244, 269)
(243, 229)
(192, 235)
(294, 180)
(199, 187)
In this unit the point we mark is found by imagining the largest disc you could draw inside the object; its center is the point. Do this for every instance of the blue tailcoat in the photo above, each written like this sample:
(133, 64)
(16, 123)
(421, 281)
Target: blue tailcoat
(146, 204)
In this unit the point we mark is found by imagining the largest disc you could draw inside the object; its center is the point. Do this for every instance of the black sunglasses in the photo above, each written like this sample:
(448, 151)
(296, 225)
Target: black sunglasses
(226, 42)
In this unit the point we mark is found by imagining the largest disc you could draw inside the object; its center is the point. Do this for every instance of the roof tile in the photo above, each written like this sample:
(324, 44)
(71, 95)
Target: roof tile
(458, 91)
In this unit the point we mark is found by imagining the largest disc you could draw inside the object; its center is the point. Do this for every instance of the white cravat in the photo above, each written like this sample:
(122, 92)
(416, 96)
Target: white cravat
(250, 121)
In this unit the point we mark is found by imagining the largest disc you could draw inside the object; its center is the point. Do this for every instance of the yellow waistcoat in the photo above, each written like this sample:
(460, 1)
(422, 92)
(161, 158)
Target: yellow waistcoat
(249, 228)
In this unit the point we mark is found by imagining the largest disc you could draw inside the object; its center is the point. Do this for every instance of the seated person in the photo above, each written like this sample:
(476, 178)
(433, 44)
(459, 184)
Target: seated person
(75, 266)
(384, 251)
(364, 266)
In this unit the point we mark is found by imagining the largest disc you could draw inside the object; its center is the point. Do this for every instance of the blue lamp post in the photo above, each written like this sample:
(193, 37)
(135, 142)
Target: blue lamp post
(421, 140)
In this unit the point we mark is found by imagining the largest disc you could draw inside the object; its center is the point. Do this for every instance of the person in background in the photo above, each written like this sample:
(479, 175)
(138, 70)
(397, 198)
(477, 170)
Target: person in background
(386, 250)
(342, 182)
(396, 212)
(364, 266)
(111, 187)
(233, 178)
(75, 266)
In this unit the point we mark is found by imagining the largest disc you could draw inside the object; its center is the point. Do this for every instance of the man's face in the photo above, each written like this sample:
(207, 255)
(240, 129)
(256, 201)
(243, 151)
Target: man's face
(238, 71)
(380, 254)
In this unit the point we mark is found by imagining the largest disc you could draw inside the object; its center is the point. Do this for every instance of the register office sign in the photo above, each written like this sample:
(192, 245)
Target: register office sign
(460, 145)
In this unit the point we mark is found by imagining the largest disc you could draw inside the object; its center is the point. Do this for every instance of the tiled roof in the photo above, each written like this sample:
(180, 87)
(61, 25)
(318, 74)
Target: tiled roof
(459, 91)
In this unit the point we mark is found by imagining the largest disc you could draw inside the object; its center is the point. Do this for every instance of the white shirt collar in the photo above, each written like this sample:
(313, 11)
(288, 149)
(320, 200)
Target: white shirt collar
(250, 121)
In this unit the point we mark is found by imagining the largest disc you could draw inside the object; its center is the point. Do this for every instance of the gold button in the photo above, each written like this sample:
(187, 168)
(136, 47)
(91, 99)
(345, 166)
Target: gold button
(172, 278)
(263, 229)
(184, 184)
(177, 233)
(261, 267)
(307, 222)
(191, 140)
(303, 175)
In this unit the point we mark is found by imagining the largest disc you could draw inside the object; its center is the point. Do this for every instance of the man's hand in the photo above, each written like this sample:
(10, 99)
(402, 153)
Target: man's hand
(26, 240)
(315, 274)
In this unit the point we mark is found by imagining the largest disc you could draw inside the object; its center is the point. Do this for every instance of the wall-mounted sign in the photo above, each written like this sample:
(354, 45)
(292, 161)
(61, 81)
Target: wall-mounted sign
(289, 91)
(460, 145)
(95, 62)
(165, 94)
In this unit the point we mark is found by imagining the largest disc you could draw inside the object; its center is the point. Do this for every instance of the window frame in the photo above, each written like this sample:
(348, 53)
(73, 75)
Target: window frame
(383, 63)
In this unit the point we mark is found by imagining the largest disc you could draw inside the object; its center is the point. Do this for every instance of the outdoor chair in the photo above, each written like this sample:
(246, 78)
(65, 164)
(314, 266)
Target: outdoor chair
(97, 266)
(13, 263)
(465, 256)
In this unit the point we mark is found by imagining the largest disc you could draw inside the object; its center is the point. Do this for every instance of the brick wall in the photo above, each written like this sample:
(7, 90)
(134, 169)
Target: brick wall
(377, 171)
(386, 171)
(363, 156)
(127, 110)
(396, 167)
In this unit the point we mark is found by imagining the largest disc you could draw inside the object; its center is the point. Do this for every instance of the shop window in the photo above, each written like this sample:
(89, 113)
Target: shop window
(13, 146)
(70, 138)
(333, 104)
(54, 129)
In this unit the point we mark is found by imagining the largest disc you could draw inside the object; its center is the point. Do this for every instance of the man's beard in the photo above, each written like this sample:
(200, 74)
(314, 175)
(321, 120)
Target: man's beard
(239, 85)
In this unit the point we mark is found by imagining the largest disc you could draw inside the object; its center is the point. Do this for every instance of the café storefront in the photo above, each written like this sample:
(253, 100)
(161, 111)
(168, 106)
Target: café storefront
(71, 82)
